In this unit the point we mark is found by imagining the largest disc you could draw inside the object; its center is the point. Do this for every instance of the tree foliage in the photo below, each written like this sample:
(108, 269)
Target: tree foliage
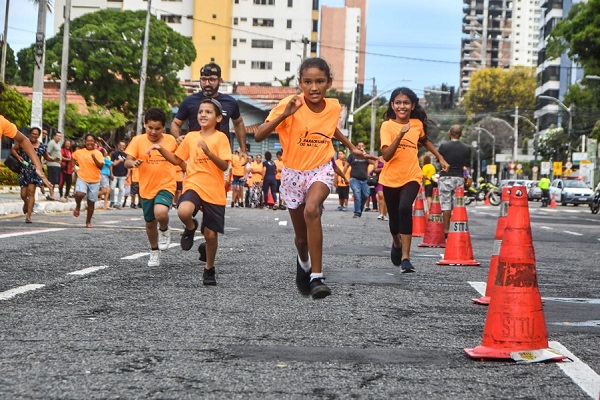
(15, 108)
(105, 60)
(556, 145)
(12, 70)
(579, 34)
(496, 90)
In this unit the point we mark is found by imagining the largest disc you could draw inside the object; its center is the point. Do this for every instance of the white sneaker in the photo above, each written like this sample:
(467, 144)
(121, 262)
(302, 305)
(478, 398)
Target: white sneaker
(385, 218)
(380, 216)
(154, 260)
(164, 239)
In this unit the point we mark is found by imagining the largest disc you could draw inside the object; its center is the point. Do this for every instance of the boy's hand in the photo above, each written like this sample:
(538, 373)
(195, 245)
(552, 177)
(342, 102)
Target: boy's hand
(153, 147)
(202, 145)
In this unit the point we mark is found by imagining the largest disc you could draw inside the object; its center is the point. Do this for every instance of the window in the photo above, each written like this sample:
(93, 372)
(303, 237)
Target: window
(243, 19)
(242, 62)
(171, 19)
(261, 65)
(242, 40)
(290, 3)
(262, 44)
(263, 22)
(235, 20)
(288, 44)
(233, 63)
(214, 16)
(213, 38)
(287, 66)
(234, 42)
(289, 24)
(265, 2)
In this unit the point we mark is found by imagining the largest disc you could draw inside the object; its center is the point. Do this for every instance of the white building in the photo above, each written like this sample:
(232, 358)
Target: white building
(526, 17)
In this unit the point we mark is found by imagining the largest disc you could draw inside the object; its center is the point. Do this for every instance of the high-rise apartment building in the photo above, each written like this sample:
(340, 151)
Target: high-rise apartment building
(343, 42)
(254, 41)
(525, 36)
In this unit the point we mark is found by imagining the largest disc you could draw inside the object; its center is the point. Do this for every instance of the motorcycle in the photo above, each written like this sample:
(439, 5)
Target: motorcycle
(480, 193)
(595, 203)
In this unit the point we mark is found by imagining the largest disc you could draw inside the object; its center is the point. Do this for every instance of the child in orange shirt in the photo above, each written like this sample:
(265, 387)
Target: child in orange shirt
(157, 180)
(205, 156)
(401, 176)
(306, 124)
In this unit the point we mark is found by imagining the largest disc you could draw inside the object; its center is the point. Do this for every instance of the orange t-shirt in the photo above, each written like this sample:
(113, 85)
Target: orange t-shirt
(178, 174)
(155, 172)
(306, 136)
(7, 128)
(404, 165)
(88, 171)
(256, 169)
(202, 175)
(279, 166)
(135, 175)
(340, 164)
(237, 168)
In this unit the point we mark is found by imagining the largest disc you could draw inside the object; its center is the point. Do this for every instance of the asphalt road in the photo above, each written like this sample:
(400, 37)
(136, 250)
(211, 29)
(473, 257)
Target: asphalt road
(124, 330)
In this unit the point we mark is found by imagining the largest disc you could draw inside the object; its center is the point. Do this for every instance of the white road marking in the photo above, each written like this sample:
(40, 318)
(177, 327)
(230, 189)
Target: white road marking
(573, 233)
(9, 294)
(112, 222)
(479, 287)
(546, 227)
(8, 235)
(579, 372)
(86, 271)
(573, 300)
(134, 256)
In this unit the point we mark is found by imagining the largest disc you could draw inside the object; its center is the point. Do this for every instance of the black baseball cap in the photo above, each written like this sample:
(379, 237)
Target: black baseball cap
(211, 69)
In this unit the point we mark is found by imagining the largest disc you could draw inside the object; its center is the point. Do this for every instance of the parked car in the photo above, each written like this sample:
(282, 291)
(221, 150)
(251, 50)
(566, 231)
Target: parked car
(571, 191)
(533, 190)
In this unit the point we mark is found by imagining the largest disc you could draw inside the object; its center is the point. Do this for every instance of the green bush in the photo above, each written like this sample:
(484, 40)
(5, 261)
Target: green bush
(7, 177)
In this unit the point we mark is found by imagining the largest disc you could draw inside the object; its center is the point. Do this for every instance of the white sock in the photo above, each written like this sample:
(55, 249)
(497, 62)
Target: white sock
(315, 275)
(306, 266)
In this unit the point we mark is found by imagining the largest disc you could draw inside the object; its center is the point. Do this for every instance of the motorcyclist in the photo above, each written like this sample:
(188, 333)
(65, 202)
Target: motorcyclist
(544, 185)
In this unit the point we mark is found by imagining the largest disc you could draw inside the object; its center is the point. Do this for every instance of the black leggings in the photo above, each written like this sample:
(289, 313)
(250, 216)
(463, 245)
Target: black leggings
(65, 179)
(399, 203)
(270, 184)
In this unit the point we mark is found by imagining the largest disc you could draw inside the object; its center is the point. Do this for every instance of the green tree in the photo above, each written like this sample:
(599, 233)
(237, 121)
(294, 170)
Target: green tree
(556, 145)
(26, 63)
(105, 57)
(12, 69)
(579, 34)
(15, 108)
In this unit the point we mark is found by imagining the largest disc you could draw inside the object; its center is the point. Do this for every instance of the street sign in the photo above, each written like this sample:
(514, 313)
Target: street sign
(545, 167)
(535, 168)
(519, 166)
(579, 156)
(557, 168)
(512, 165)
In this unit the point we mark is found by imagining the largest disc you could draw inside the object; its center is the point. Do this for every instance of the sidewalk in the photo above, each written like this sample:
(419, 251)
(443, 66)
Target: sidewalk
(11, 203)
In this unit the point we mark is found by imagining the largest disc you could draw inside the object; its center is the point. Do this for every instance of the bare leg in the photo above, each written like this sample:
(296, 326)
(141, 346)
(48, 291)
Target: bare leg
(90, 213)
(212, 243)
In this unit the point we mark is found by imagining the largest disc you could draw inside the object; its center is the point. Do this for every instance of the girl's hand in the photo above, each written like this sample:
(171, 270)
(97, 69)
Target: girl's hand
(155, 146)
(202, 145)
(361, 154)
(445, 165)
(293, 105)
(405, 128)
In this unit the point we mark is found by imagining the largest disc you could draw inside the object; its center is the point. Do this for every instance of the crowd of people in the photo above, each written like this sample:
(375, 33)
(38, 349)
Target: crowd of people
(192, 172)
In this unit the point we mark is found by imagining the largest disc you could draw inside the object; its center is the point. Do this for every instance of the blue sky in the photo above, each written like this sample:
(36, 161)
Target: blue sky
(401, 36)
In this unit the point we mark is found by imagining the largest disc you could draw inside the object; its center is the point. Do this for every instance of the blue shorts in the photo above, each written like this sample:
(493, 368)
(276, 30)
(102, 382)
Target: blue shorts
(237, 180)
(90, 189)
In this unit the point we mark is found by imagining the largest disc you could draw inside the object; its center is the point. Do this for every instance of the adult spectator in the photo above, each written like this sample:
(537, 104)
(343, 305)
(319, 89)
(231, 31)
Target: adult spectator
(544, 185)
(358, 180)
(210, 79)
(458, 155)
(118, 174)
(53, 148)
(341, 183)
(66, 170)
(269, 173)
(428, 172)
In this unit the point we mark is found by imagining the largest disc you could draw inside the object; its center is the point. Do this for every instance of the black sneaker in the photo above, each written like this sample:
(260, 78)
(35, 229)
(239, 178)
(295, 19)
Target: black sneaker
(302, 279)
(187, 237)
(318, 289)
(208, 277)
(232, 205)
(202, 251)
(406, 266)
(396, 255)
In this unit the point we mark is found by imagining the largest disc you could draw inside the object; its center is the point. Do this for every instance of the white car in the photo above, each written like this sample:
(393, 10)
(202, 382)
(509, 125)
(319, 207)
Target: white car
(571, 191)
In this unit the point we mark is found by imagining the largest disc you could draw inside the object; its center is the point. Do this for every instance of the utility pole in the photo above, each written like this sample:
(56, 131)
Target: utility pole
(516, 134)
(351, 114)
(62, 107)
(305, 43)
(4, 43)
(143, 72)
(38, 72)
(373, 118)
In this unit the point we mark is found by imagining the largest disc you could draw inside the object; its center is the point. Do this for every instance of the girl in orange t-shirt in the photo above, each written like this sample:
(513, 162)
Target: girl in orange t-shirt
(205, 156)
(400, 134)
(306, 124)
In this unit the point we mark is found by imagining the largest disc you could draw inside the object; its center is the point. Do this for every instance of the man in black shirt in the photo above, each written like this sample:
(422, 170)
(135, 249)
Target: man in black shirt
(358, 180)
(118, 174)
(210, 79)
(458, 155)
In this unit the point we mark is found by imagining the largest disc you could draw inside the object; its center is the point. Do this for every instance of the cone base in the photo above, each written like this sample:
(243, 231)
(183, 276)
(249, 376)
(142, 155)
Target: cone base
(432, 245)
(483, 300)
(470, 263)
(488, 353)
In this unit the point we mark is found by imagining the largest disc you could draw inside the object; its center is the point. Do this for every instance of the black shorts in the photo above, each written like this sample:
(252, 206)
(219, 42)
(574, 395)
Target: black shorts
(54, 175)
(213, 215)
(343, 192)
(429, 190)
(135, 188)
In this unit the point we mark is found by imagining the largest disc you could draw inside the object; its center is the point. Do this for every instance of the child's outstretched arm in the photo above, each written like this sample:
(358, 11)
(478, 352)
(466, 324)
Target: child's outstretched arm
(358, 153)
(267, 128)
(220, 163)
(168, 155)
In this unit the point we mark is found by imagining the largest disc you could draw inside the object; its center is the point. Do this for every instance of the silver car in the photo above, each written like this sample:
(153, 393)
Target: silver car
(571, 191)
(533, 190)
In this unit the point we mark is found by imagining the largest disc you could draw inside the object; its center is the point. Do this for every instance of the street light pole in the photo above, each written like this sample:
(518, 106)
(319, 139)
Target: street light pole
(569, 111)
(535, 135)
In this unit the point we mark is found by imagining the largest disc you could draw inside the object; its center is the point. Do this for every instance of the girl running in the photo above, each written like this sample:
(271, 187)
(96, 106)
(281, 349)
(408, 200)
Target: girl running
(306, 124)
(401, 176)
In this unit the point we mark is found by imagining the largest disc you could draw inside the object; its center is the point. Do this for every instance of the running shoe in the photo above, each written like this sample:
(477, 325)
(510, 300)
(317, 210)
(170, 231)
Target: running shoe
(406, 266)
(202, 251)
(208, 277)
(318, 289)
(154, 260)
(302, 279)
(164, 239)
(396, 255)
(187, 237)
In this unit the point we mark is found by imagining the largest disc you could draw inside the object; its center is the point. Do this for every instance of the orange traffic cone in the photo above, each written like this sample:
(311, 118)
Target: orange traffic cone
(553, 201)
(500, 226)
(434, 230)
(458, 246)
(515, 319)
(270, 200)
(486, 202)
(418, 219)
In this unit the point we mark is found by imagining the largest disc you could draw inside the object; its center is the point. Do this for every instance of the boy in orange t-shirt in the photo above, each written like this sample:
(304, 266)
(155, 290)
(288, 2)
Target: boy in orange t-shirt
(205, 156)
(157, 180)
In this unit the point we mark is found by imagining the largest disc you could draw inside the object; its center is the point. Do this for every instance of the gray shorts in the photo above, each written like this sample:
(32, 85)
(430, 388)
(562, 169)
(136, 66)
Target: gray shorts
(90, 189)
(447, 186)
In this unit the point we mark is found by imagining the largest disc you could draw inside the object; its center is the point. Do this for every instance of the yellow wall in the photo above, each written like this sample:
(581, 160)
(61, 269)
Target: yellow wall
(205, 26)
